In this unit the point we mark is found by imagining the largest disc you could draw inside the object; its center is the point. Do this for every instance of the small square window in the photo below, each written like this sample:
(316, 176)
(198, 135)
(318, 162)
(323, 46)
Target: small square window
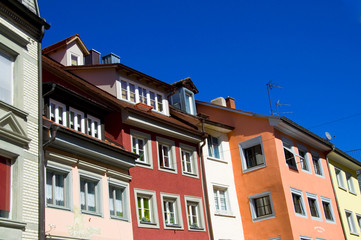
(194, 213)
(340, 178)
(147, 212)
(314, 206)
(350, 185)
(172, 215)
(261, 206)
(214, 147)
(189, 160)
(351, 222)
(289, 154)
(327, 209)
(317, 165)
(298, 203)
(252, 156)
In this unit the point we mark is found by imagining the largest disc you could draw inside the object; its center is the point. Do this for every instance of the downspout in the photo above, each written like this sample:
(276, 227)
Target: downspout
(334, 192)
(204, 184)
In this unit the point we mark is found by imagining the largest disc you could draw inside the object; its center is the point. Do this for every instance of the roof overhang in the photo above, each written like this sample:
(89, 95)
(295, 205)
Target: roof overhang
(344, 159)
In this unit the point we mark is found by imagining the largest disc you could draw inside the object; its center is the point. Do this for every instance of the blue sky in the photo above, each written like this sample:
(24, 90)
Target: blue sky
(233, 48)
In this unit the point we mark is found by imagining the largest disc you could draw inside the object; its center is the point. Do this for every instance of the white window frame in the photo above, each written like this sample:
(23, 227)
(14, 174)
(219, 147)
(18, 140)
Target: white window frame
(177, 211)
(71, 59)
(91, 177)
(217, 201)
(11, 59)
(246, 145)
(319, 162)
(125, 198)
(305, 238)
(328, 200)
(148, 159)
(189, 97)
(318, 209)
(211, 149)
(92, 127)
(56, 112)
(306, 158)
(193, 158)
(358, 219)
(302, 202)
(197, 203)
(76, 120)
(64, 170)
(288, 146)
(340, 178)
(251, 199)
(137, 95)
(171, 154)
(351, 222)
(153, 210)
(350, 185)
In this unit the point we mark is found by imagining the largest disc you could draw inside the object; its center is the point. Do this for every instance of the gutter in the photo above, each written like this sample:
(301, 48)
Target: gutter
(334, 192)
(204, 184)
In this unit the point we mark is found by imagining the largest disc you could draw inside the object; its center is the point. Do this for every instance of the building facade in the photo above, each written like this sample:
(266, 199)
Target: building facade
(21, 32)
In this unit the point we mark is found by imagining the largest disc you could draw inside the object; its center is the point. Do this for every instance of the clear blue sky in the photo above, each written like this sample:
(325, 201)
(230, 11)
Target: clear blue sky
(233, 48)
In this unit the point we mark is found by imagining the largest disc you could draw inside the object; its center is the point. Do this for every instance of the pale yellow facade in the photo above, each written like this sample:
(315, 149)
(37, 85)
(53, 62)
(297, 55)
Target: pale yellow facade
(343, 171)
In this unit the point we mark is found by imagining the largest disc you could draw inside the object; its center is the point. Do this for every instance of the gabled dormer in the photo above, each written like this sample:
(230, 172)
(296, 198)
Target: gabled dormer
(68, 52)
(183, 98)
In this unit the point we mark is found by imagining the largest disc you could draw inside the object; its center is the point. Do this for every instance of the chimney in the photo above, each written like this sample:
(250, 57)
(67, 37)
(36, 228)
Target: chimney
(230, 102)
(111, 58)
(92, 58)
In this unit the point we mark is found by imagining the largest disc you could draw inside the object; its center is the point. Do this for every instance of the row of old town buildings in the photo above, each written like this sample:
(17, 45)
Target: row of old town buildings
(93, 149)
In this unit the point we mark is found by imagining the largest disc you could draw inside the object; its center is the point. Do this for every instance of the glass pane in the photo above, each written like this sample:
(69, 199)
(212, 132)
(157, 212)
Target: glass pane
(59, 189)
(91, 196)
(118, 202)
(131, 92)
(82, 194)
(111, 201)
(6, 78)
(152, 99)
(124, 89)
(160, 103)
(49, 187)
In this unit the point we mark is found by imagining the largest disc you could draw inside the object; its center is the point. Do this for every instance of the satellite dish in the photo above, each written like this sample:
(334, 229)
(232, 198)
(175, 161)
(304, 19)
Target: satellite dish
(328, 136)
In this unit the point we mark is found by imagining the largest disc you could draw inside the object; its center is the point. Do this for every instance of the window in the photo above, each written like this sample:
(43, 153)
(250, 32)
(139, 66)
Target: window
(171, 208)
(189, 160)
(132, 92)
(124, 86)
(57, 188)
(214, 147)
(94, 127)
(189, 102)
(317, 165)
(142, 92)
(261, 206)
(194, 213)
(141, 145)
(159, 103)
(6, 78)
(351, 222)
(146, 208)
(289, 155)
(358, 216)
(221, 201)
(314, 207)
(57, 112)
(117, 201)
(350, 185)
(166, 155)
(74, 60)
(327, 209)
(5, 186)
(339, 178)
(298, 202)
(89, 195)
(303, 155)
(252, 156)
(76, 120)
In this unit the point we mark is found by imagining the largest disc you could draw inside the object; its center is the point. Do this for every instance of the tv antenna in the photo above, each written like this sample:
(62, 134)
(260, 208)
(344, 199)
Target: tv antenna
(269, 87)
(278, 104)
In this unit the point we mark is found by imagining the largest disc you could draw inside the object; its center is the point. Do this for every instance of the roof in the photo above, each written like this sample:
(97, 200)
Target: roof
(65, 42)
(109, 100)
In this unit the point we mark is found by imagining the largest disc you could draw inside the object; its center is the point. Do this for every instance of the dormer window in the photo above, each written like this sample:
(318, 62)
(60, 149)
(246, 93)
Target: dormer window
(183, 99)
(74, 119)
(74, 60)
(134, 93)
(189, 101)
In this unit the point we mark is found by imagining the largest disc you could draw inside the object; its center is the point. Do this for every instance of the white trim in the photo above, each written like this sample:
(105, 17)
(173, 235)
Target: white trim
(228, 211)
(94, 128)
(305, 238)
(318, 209)
(197, 203)
(300, 194)
(351, 222)
(328, 200)
(171, 154)
(154, 222)
(178, 211)
(193, 159)
(124, 187)
(249, 144)
(350, 185)
(148, 163)
(76, 120)
(92, 177)
(56, 112)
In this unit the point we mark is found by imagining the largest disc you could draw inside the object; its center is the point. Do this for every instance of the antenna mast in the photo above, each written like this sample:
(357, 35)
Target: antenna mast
(269, 87)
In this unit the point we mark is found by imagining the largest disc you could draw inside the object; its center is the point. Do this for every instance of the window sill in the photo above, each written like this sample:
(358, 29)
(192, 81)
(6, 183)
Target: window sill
(263, 218)
(353, 193)
(292, 167)
(301, 215)
(173, 227)
(331, 221)
(196, 229)
(354, 233)
(220, 214)
(119, 218)
(57, 207)
(143, 164)
(12, 224)
(254, 168)
(147, 224)
(166, 169)
(190, 174)
(320, 175)
(217, 159)
(91, 213)
(342, 188)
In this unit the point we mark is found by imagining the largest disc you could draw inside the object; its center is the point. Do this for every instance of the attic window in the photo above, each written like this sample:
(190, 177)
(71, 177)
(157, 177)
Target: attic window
(74, 60)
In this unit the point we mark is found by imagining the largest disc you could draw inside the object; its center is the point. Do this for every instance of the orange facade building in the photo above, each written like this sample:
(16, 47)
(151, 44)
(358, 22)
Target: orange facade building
(281, 175)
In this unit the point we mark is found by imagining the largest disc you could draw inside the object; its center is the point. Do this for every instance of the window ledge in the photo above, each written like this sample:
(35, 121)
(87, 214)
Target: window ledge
(217, 159)
(57, 207)
(342, 188)
(254, 168)
(263, 218)
(147, 224)
(318, 175)
(219, 214)
(91, 213)
(143, 164)
(354, 233)
(353, 193)
(190, 174)
(119, 218)
(170, 170)
(196, 228)
(12, 224)
(18, 112)
(173, 227)
(292, 167)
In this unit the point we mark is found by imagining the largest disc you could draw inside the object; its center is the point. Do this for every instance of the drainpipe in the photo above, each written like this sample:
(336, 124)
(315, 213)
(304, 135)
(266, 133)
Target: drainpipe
(334, 192)
(204, 185)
